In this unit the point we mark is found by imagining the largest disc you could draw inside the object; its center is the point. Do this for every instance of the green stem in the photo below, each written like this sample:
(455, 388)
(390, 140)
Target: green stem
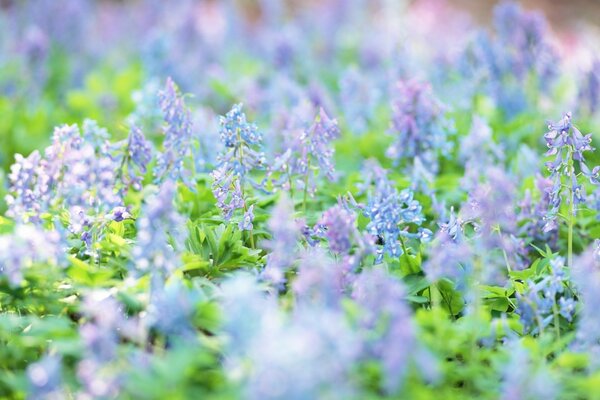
(405, 252)
(556, 319)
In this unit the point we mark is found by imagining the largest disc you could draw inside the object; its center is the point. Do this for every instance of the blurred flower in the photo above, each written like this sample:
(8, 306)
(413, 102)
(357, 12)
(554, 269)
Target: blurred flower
(242, 155)
(45, 379)
(161, 232)
(589, 88)
(359, 98)
(307, 156)
(178, 135)
(523, 379)
(568, 144)
(27, 245)
(285, 231)
(138, 155)
(419, 125)
(385, 325)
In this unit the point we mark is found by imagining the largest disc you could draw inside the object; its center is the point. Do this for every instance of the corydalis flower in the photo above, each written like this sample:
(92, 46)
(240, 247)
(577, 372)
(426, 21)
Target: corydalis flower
(477, 151)
(386, 327)
(100, 335)
(532, 218)
(285, 232)
(567, 144)
(391, 213)
(536, 306)
(160, 234)
(359, 98)
(242, 142)
(419, 125)
(45, 379)
(138, 154)
(589, 90)
(338, 223)
(26, 246)
(586, 276)
(307, 156)
(505, 64)
(24, 198)
(178, 136)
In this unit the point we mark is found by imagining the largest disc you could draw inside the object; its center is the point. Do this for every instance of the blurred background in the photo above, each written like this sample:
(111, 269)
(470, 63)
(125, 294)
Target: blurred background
(62, 61)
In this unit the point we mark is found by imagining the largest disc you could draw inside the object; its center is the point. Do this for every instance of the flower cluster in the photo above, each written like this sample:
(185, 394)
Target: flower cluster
(390, 214)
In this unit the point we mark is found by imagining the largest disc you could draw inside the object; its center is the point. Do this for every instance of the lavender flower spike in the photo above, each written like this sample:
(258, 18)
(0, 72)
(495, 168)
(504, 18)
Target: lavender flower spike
(178, 136)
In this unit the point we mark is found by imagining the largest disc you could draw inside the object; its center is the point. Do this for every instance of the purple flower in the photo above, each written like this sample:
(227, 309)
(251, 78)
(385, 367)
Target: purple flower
(242, 155)
(178, 136)
(25, 200)
(385, 325)
(26, 246)
(390, 213)
(138, 155)
(319, 280)
(171, 310)
(478, 151)
(359, 98)
(338, 222)
(536, 305)
(586, 277)
(589, 89)
(536, 226)
(568, 145)
(285, 232)
(45, 379)
(419, 125)
(161, 232)
(106, 324)
(308, 155)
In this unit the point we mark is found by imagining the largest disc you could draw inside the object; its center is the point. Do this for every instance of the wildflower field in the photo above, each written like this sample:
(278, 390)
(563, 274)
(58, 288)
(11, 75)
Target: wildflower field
(269, 199)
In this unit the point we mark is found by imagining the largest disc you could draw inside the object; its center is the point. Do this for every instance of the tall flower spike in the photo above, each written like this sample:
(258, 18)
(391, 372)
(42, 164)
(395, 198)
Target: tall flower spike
(419, 125)
(26, 246)
(242, 155)
(178, 136)
(138, 155)
(589, 90)
(307, 156)
(24, 198)
(158, 226)
(567, 144)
